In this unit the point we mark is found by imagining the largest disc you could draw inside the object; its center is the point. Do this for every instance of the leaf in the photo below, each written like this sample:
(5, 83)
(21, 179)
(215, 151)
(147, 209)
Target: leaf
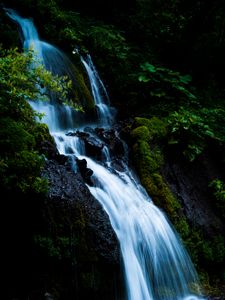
(143, 78)
(149, 67)
(185, 78)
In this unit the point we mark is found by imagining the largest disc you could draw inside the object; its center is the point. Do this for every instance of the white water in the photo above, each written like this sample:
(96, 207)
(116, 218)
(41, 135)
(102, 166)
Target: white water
(99, 92)
(156, 265)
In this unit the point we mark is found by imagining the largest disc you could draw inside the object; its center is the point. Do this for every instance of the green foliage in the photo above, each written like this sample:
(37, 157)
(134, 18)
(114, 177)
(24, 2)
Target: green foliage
(214, 250)
(109, 40)
(190, 130)
(219, 192)
(23, 78)
(21, 164)
(166, 83)
(205, 251)
(214, 116)
(20, 135)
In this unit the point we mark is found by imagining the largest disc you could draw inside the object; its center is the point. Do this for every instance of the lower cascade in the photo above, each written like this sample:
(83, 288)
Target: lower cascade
(156, 264)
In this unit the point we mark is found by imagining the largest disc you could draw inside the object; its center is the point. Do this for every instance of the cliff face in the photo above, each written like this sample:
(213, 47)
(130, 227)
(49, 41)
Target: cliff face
(190, 184)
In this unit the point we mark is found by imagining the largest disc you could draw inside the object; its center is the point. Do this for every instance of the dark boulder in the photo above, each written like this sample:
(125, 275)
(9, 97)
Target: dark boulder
(68, 189)
(85, 172)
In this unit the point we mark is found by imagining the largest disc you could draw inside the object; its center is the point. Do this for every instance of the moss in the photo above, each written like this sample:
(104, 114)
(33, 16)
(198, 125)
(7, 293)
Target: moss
(41, 133)
(82, 92)
(148, 160)
(156, 127)
(183, 227)
(141, 133)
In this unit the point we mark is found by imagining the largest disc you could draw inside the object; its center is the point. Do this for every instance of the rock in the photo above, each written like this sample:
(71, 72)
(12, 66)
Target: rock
(50, 150)
(190, 184)
(110, 138)
(93, 147)
(86, 173)
(67, 189)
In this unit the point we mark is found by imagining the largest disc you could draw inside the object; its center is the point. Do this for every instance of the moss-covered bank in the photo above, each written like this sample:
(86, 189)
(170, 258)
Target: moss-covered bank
(150, 148)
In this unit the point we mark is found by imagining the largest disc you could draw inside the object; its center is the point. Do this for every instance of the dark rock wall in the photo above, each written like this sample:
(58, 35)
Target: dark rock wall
(60, 245)
(190, 184)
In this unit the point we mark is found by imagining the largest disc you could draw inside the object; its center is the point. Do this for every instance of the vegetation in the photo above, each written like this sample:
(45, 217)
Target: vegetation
(219, 192)
(21, 160)
(163, 64)
(150, 140)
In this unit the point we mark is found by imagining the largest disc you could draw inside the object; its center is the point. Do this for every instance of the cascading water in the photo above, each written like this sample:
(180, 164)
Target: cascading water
(156, 265)
(99, 92)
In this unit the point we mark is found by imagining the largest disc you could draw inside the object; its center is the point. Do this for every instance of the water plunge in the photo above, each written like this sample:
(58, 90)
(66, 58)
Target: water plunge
(156, 265)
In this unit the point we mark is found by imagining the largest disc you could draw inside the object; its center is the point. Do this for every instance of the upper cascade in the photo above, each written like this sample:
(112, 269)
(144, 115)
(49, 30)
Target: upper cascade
(101, 98)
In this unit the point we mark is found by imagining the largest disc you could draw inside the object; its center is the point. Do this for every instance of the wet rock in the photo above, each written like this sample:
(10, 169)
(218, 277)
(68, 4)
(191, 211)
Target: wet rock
(118, 165)
(93, 147)
(77, 133)
(86, 173)
(112, 141)
(51, 152)
(67, 190)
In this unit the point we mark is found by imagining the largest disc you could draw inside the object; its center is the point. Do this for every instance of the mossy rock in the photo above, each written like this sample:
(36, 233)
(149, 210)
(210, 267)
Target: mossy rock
(41, 133)
(148, 159)
(156, 127)
(140, 132)
(82, 90)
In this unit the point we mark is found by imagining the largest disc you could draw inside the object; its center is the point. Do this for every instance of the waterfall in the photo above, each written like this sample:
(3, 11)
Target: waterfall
(156, 264)
(99, 92)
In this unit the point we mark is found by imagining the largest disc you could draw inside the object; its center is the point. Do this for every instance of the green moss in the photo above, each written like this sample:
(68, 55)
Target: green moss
(182, 227)
(41, 133)
(148, 160)
(81, 85)
(141, 133)
(156, 127)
